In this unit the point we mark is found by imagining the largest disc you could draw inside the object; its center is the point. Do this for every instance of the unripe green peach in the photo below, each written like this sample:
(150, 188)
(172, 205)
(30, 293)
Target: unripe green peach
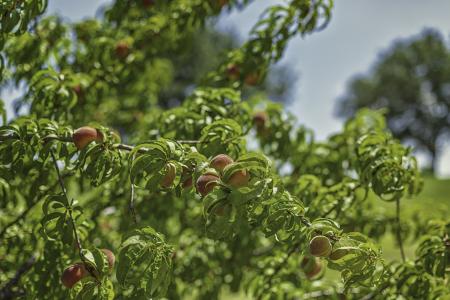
(73, 274)
(206, 183)
(169, 177)
(110, 257)
(239, 179)
(338, 254)
(220, 161)
(320, 246)
(85, 135)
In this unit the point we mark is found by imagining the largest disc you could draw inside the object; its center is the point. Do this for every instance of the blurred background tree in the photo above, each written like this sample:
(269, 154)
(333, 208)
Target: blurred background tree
(411, 80)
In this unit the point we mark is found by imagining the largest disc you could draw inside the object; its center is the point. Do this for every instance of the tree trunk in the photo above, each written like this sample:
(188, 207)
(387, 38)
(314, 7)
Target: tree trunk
(434, 162)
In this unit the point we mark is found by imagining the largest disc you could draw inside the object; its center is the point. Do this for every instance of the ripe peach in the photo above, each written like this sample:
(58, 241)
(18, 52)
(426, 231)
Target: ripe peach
(221, 209)
(186, 177)
(320, 246)
(222, 3)
(187, 183)
(239, 179)
(122, 49)
(220, 161)
(148, 3)
(85, 135)
(110, 257)
(260, 120)
(73, 274)
(311, 266)
(233, 72)
(205, 183)
(251, 79)
(78, 90)
(169, 177)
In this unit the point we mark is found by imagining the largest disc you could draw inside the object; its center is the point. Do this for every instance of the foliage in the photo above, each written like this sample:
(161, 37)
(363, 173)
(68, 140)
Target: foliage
(62, 204)
(410, 80)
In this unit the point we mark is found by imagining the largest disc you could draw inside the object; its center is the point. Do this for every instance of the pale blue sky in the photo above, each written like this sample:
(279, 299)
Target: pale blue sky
(326, 60)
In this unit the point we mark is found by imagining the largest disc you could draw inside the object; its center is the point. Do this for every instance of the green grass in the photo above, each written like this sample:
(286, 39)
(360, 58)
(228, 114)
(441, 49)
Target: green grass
(432, 203)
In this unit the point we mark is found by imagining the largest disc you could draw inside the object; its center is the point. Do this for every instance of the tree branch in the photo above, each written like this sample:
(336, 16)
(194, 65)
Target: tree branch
(37, 199)
(6, 292)
(280, 266)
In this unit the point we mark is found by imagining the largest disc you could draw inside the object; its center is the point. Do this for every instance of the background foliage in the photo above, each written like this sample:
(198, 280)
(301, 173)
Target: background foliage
(411, 81)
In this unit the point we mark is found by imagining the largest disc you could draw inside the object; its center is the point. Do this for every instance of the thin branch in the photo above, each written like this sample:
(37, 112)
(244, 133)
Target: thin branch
(6, 292)
(398, 229)
(61, 183)
(72, 220)
(125, 147)
(280, 265)
(39, 196)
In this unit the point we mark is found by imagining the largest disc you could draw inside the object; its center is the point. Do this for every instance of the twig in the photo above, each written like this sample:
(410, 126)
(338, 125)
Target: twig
(38, 198)
(398, 229)
(66, 139)
(280, 266)
(61, 183)
(6, 292)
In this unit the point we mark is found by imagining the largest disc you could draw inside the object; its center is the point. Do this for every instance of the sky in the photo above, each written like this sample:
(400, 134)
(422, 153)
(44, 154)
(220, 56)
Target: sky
(325, 61)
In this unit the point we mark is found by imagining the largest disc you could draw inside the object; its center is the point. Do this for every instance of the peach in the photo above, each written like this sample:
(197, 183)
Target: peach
(239, 179)
(73, 274)
(220, 161)
(206, 183)
(251, 79)
(110, 257)
(260, 120)
(85, 135)
(169, 177)
(233, 72)
(320, 246)
(311, 266)
(122, 49)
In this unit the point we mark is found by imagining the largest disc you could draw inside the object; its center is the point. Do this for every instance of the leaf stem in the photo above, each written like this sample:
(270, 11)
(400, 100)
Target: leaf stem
(131, 204)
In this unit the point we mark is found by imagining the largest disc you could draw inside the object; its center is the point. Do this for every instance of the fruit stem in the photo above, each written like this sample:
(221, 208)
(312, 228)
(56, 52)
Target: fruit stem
(399, 236)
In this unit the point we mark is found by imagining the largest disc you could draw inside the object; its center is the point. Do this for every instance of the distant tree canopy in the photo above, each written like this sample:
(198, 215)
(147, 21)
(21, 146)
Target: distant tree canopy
(411, 80)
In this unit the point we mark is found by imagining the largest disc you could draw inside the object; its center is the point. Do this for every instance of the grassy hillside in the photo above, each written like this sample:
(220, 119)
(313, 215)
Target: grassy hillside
(433, 202)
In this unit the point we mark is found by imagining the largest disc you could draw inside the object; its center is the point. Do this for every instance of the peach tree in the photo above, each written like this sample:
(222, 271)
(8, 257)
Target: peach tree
(104, 194)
